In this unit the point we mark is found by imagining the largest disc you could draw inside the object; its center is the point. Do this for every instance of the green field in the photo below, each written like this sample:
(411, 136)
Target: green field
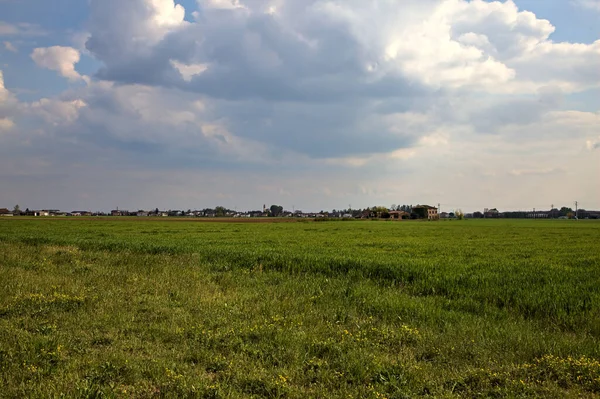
(372, 309)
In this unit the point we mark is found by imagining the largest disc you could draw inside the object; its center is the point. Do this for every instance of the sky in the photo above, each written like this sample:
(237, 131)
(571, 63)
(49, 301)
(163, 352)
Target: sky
(309, 104)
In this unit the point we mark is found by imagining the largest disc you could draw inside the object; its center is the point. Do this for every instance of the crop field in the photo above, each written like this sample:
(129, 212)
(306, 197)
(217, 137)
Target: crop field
(120, 307)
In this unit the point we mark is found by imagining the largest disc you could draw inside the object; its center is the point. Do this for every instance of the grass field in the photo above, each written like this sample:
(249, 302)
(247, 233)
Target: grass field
(128, 308)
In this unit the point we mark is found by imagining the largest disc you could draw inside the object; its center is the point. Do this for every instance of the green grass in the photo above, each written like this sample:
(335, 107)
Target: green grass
(129, 308)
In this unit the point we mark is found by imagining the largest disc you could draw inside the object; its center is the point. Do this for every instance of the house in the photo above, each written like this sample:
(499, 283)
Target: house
(118, 213)
(81, 213)
(426, 212)
(491, 213)
(41, 213)
(5, 212)
(399, 215)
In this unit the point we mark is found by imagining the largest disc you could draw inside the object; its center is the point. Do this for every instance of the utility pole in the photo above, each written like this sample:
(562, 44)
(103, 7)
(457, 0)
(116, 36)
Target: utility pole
(576, 204)
(552, 211)
(534, 213)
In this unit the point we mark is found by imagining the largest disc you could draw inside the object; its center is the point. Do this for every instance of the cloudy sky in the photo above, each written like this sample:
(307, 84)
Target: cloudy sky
(311, 104)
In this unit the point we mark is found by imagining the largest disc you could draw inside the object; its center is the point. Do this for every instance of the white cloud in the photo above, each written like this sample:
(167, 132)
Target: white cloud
(8, 102)
(589, 4)
(6, 124)
(10, 47)
(57, 112)
(59, 59)
(21, 29)
(121, 30)
(321, 47)
(3, 90)
(221, 4)
(189, 71)
(79, 39)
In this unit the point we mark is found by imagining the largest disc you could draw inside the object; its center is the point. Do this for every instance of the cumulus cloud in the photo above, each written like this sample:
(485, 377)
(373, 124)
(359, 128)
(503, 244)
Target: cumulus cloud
(121, 32)
(3, 91)
(56, 111)
(8, 104)
(221, 4)
(59, 59)
(316, 47)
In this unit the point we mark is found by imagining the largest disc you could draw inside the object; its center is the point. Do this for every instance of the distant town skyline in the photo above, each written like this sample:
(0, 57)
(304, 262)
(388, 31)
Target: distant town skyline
(293, 209)
(308, 104)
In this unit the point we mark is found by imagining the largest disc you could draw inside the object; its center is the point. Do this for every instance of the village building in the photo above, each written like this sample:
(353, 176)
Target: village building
(399, 215)
(426, 212)
(491, 213)
(81, 213)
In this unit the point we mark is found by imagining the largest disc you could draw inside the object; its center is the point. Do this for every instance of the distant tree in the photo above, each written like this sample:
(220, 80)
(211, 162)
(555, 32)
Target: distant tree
(156, 211)
(477, 215)
(564, 211)
(459, 214)
(220, 211)
(406, 208)
(17, 210)
(27, 211)
(276, 210)
(380, 212)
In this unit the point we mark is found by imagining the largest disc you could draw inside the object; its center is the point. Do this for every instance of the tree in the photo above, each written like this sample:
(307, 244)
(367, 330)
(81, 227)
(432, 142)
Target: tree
(276, 210)
(220, 211)
(459, 214)
(564, 211)
(17, 210)
(478, 215)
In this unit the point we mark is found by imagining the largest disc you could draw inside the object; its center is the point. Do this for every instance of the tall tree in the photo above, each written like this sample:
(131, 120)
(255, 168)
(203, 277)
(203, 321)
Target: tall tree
(275, 210)
(564, 211)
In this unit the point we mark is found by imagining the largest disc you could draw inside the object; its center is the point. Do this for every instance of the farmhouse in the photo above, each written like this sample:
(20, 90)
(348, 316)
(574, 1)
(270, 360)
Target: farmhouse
(491, 213)
(81, 213)
(426, 212)
(5, 212)
(398, 215)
